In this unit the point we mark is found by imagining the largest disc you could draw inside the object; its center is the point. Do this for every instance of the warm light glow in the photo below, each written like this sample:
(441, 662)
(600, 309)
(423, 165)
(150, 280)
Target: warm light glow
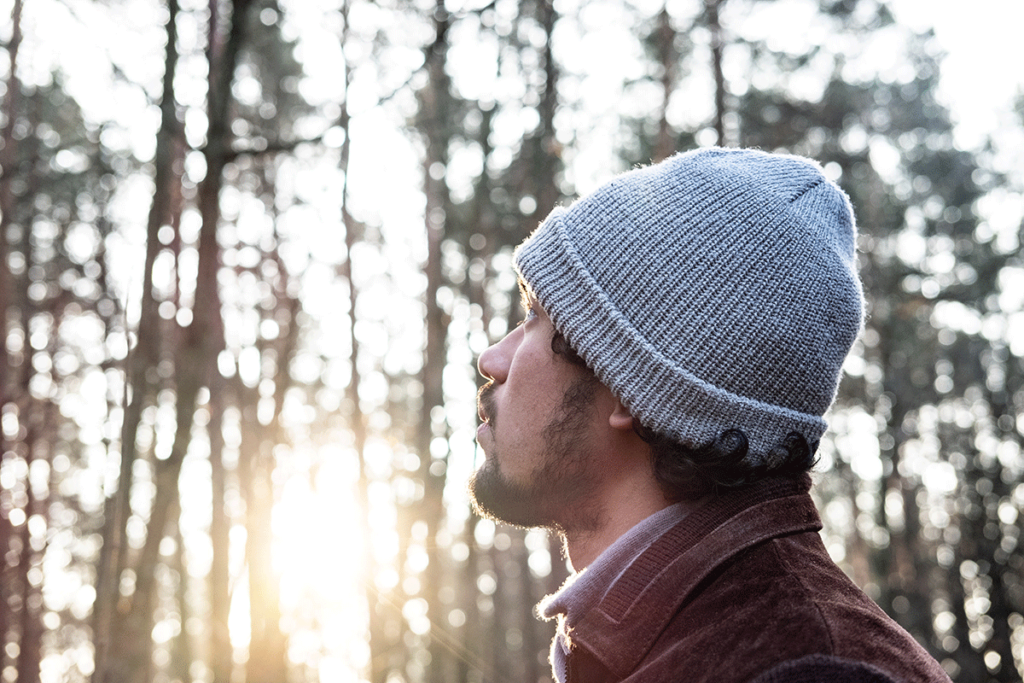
(319, 555)
(323, 561)
(318, 543)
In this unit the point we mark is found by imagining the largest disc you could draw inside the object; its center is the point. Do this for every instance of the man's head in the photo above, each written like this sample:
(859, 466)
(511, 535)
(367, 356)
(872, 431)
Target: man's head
(715, 294)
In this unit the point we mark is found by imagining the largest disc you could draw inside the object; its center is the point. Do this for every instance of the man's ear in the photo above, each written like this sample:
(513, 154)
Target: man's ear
(620, 417)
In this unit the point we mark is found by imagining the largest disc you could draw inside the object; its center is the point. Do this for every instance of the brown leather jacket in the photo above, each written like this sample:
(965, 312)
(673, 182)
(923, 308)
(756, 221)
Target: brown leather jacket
(743, 590)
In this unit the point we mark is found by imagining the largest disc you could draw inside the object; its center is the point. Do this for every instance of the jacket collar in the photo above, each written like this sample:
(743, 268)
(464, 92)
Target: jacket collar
(624, 626)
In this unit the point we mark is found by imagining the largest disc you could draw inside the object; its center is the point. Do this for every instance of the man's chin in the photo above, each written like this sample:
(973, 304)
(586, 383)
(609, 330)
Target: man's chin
(496, 498)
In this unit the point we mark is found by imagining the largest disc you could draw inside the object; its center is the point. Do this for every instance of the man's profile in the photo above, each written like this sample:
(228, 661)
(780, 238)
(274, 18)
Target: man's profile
(660, 407)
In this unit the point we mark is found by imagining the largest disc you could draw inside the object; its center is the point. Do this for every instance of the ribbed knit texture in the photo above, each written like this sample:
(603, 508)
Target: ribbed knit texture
(715, 290)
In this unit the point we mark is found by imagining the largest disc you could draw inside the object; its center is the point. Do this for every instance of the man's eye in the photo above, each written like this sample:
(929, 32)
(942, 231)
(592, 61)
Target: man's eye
(530, 315)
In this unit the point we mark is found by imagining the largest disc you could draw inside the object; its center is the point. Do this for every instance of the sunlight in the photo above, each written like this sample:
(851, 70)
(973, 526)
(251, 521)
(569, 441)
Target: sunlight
(318, 539)
(238, 618)
(333, 542)
(319, 557)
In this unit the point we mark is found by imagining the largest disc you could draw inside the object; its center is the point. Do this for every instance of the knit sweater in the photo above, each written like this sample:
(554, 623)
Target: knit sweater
(585, 589)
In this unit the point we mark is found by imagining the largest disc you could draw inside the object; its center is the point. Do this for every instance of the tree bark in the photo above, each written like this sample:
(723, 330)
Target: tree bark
(113, 559)
(665, 145)
(436, 110)
(221, 661)
(377, 608)
(715, 28)
(8, 160)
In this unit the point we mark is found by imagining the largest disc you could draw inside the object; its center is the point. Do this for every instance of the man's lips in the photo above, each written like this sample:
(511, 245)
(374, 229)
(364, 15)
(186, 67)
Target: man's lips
(485, 403)
(487, 412)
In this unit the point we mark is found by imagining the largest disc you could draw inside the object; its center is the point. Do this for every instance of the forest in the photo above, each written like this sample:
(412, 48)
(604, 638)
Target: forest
(251, 249)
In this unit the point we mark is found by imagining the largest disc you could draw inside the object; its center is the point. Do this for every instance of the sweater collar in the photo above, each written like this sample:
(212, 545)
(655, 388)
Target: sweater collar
(623, 626)
(585, 588)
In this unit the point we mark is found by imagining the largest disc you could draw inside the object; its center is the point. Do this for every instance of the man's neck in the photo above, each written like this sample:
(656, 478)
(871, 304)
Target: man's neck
(625, 490)
(628, 507)
(583, 548)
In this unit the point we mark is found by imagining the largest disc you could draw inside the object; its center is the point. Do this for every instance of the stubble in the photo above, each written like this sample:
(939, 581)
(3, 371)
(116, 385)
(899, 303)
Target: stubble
(558, 493)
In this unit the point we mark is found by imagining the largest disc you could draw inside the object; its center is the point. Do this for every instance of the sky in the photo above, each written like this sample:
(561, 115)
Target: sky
(983, 72)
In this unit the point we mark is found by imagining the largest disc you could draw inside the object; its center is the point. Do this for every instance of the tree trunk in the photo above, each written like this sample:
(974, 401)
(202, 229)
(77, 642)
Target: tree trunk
(268, 648)
(23, 600)
(267, 654)
(193, 361)
(1001, 571)
(665, 145)
(8, 160)
(547, 156)
(715, 27)
(113, 559)
(377, 608)
(133, 629)
(182, 652)
(221, 661)
(437, 110)
(31, 597)
(209, 197)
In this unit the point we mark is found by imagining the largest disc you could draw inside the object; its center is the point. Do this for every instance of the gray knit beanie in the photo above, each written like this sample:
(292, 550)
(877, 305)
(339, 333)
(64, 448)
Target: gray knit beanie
(715, 290)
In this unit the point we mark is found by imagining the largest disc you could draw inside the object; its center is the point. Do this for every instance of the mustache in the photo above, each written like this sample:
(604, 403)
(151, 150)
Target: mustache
(485, 405)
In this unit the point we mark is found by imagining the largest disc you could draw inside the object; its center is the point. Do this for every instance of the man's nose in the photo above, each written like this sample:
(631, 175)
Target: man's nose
(494, 362)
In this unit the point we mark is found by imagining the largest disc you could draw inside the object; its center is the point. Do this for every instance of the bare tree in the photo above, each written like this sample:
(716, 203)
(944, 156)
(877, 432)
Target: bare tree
(268, 645)
(668, 58)
(8, 159)
(221, 660)
(712, 8)
(138, 388)
(437, 110)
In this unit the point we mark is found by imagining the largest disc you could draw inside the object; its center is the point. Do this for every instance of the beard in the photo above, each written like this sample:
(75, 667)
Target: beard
(557, 494)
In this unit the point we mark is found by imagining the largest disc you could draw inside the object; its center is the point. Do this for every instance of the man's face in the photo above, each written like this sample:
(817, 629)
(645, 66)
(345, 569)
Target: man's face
(538, 412)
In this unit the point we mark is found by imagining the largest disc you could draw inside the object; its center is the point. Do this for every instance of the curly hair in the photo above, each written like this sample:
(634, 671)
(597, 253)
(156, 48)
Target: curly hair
(689, 472)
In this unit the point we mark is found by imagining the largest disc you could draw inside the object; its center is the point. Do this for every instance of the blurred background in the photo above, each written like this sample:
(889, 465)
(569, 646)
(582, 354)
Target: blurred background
(250, 250)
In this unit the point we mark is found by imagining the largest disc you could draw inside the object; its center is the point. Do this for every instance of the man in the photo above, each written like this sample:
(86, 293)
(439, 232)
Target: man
(660, 407)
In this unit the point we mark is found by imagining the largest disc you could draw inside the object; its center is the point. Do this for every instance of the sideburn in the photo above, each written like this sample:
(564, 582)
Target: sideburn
(569, 427)
(566, 471)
